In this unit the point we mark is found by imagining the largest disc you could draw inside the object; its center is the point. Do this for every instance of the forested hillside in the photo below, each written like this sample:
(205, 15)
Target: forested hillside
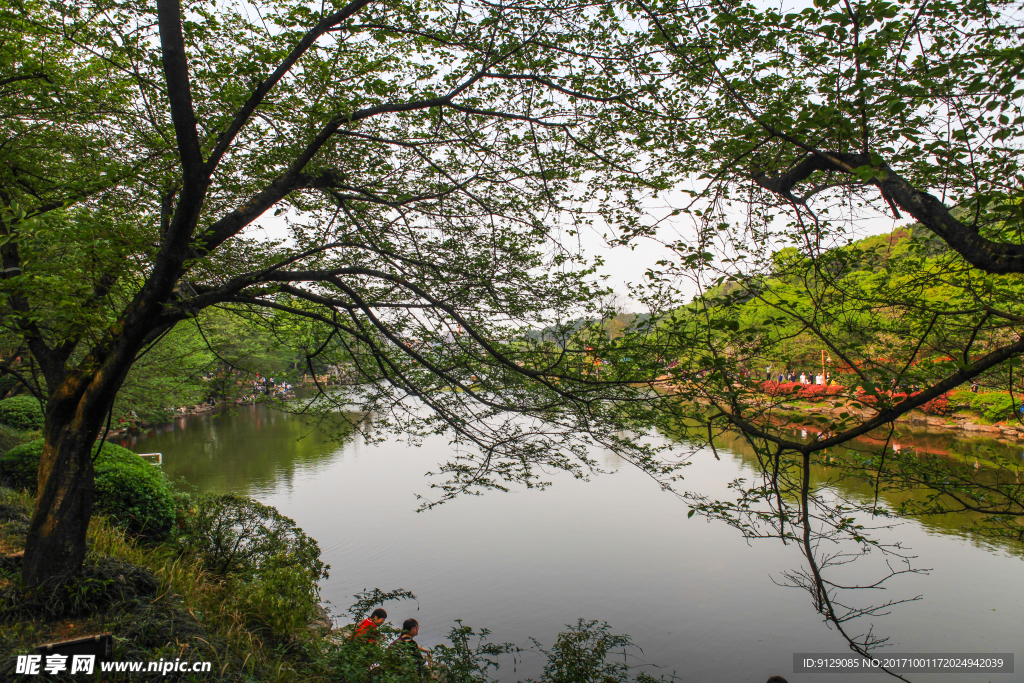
(878, 309)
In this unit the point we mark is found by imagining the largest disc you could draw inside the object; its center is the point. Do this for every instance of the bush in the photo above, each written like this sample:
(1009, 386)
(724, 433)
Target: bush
(236, 535)
(589, 651)
(136, 496)
(21, 412)
(818, 391)
(10, 437)
(883, 399)
(285, 599)
(133, 492)
(19, 466)
(253, 544)
(804, 391)
(940, 405)
(994, 405)
(780, 388)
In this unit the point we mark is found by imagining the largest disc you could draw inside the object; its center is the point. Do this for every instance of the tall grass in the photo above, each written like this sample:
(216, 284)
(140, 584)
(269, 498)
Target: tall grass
(234, 646)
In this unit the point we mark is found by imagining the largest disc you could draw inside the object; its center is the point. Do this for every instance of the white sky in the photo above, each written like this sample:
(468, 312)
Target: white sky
(626, 265)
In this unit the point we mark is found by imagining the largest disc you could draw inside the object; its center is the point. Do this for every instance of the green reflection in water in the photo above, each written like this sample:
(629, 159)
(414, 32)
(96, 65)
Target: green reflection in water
(244, 450)
(956, 447)
(253, 448)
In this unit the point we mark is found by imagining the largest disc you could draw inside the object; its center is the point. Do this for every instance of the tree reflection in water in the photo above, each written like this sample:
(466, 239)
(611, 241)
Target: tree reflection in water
(250, 447)
(837, 508)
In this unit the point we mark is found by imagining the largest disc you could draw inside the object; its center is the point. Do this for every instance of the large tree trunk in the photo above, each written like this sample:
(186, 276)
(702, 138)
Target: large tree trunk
(55, 545)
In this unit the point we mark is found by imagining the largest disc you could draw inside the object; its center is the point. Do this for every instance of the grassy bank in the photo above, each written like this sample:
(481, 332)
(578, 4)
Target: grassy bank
(218, 579)
(159, 602)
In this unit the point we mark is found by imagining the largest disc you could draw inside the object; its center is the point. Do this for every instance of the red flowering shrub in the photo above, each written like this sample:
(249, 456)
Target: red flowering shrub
(819, 391)
(890, 399)
(939, 405)
(813, 391)
(780, 388)
(803, 391)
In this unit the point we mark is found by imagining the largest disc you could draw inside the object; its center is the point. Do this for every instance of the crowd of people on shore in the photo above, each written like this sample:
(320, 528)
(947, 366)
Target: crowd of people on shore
(266, 386)
(803, 377)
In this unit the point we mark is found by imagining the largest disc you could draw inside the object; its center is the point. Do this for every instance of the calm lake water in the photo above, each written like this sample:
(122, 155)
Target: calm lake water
(695, 596)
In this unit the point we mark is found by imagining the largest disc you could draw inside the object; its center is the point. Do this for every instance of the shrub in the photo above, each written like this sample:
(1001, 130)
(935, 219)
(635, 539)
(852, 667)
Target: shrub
(588, 651)
(994, 405)
(285, 599)
(10, 437)
(940, 405)
(804, 391)
(137, 496)
(133, 492)
(780, 388)
(819, 391)
(253, 544)
(811, 391)
(21, 412)
(884, 398)
(19, 466)
(236, 535)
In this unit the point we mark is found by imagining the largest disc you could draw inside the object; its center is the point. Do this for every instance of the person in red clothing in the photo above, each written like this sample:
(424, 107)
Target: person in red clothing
(367, 630)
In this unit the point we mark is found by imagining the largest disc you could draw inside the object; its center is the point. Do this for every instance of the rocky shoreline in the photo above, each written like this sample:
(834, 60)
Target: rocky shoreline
(915, 418)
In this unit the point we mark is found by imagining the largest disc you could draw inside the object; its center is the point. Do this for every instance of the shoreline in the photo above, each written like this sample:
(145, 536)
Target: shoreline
(799, 413)
(200, 409)
(956, 423)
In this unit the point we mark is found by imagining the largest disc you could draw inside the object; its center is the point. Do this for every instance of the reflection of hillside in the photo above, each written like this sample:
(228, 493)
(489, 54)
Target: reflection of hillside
(249, 448)
(936, 443)
(863, 492)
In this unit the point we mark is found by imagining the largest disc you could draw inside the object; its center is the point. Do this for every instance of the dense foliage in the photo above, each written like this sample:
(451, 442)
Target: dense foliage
(253, 544)
(238, 535)
(130, 490)
(21, 412)
(9, 438)
(427, 164)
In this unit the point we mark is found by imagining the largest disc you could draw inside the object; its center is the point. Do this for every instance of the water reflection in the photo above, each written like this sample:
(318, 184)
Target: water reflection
(248, 449)
(696, 598)
(831, 469)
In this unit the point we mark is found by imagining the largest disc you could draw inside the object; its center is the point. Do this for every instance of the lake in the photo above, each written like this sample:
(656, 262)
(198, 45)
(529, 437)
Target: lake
(694, 595)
